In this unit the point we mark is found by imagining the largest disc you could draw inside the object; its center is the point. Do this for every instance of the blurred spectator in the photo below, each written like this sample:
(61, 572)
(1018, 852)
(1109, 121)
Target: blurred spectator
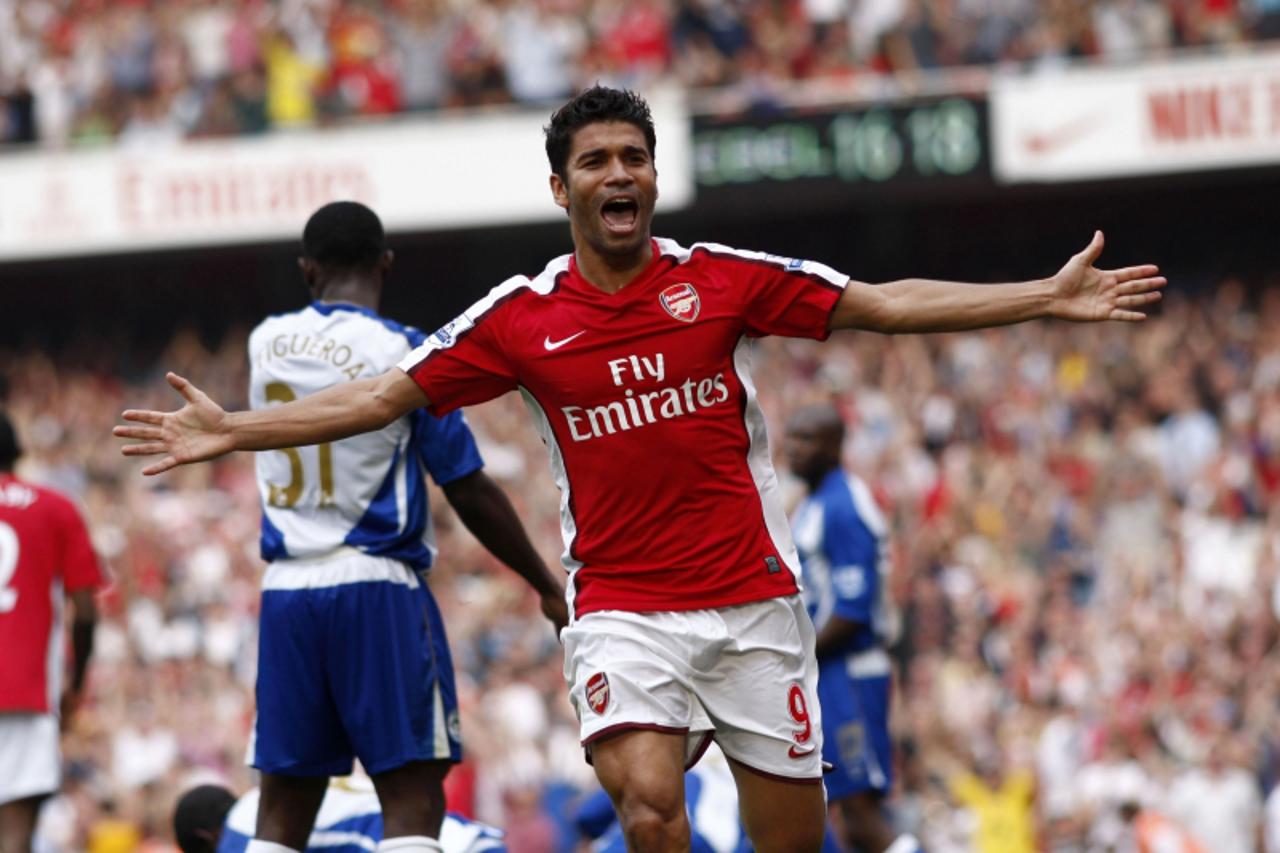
(113, 834)
(422, 42)
(1148, 831)
(1266, 19)
(539, 45)
(17, 118)
(1272, 818)
(362, 77)
(1002, 804)
(1219, 802)
(474, 59)
(152, 122)
(1128, 30)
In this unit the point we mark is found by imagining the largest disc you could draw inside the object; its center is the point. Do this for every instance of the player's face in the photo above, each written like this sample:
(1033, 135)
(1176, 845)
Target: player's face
(809, 450)
(610, 187)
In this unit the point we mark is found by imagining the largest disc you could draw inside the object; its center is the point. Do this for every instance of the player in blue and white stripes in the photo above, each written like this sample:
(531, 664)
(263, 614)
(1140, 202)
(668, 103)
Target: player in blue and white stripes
(842, 538)
(209, 819)
(353, 660)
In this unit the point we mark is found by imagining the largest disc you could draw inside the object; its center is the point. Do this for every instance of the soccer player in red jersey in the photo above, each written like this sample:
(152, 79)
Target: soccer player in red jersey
(44, 555)
(633, 356)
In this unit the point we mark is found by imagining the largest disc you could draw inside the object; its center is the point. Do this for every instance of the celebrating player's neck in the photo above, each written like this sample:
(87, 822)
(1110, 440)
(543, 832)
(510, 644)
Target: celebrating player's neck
(612, 271)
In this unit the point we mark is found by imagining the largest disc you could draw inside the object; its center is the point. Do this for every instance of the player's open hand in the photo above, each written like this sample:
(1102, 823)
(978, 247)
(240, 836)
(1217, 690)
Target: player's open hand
(194, 433)
(1084, 293)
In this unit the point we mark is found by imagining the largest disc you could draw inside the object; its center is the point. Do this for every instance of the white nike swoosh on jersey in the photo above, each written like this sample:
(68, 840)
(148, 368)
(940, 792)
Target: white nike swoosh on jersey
(553, 345)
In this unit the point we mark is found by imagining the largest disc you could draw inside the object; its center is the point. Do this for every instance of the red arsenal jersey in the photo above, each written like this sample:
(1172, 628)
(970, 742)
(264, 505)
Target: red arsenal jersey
(668, 498)
(44, 551)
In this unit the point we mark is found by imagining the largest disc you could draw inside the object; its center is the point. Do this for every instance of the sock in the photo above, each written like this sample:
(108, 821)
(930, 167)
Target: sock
(905, 843)
(408, 844)
(259, 846)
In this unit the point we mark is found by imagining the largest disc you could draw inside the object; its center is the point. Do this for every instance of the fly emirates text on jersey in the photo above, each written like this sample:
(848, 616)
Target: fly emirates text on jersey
(637, 410)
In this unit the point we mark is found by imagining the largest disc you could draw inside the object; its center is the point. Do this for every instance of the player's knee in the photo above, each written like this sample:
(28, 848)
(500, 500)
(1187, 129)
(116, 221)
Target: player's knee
(654, 829)
(652, 816)
(412, 798)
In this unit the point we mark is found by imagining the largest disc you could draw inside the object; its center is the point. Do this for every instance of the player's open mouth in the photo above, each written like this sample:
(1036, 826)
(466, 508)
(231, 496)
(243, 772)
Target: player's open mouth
(620, 214)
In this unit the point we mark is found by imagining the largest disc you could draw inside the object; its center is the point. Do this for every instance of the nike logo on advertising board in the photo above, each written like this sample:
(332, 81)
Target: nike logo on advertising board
(555, 345)
(1062, 135)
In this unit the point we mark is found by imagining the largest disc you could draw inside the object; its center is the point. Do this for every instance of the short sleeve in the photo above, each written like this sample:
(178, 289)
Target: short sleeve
(854, 553)
(463, 362)
(80, 566)
(446, 446)
(790, 297)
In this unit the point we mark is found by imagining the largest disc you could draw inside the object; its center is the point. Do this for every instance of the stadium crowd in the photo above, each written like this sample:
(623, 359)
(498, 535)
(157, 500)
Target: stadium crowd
(147, 72)
(1086, 532)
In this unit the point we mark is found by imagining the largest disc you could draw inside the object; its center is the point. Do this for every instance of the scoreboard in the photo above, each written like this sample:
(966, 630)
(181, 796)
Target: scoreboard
(931, 145)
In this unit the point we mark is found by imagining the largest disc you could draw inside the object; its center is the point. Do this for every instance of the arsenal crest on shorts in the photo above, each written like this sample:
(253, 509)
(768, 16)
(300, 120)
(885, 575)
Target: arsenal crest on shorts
(681, 301)
(598, 692)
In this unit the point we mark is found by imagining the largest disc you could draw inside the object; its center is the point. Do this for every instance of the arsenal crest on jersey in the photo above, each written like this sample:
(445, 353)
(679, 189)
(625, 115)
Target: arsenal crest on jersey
(598, 692)
(681, 301)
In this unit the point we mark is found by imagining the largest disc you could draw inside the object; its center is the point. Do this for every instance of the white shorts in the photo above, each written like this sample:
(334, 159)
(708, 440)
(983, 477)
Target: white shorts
(745, 675)
(30, 763)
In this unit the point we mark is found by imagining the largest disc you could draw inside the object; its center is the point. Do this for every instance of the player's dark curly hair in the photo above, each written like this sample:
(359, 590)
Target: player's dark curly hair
(10, 449)
(599, 103)
(344, 234)
(198, 818)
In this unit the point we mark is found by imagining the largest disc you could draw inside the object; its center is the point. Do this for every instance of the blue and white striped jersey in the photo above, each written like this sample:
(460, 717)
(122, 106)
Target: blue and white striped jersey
(842, 538)
(350, 821)
(365, 492)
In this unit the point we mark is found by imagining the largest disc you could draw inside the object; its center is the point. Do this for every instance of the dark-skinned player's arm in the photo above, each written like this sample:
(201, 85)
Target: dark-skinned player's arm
(487, 512)
(201, 430)
(835, 636)
(84, 622)
(1078, 292)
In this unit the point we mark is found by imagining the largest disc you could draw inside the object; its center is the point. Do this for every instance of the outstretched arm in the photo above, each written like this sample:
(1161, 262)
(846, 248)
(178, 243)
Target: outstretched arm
(201, 430)
(1079, 292)
(487, 512)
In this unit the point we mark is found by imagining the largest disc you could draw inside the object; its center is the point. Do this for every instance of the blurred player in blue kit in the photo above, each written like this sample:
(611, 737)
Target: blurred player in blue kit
(842, 538)
(209, 819)
(353, 660)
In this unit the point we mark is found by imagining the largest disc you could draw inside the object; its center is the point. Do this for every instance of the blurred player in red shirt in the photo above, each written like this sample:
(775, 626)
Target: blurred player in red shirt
(45, 559)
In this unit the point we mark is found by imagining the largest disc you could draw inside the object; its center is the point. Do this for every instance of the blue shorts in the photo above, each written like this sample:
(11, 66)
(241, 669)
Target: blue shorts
(352, 662)
(855, 730)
